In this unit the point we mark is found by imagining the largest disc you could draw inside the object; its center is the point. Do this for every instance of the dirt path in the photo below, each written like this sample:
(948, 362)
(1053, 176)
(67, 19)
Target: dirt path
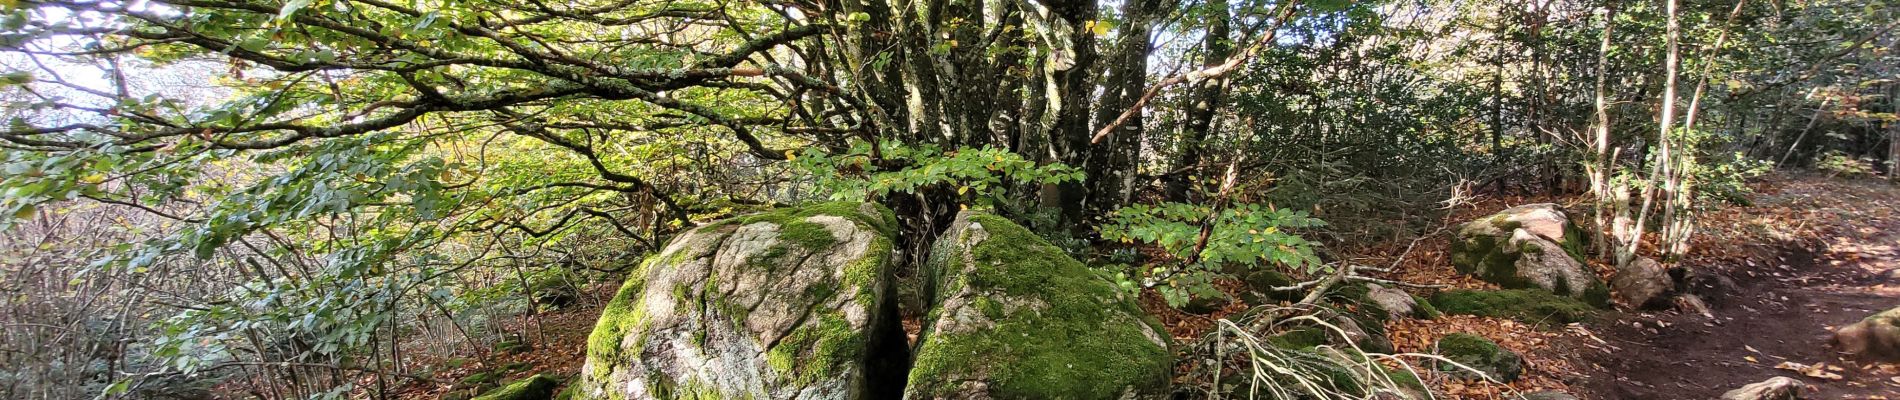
(1780, 309)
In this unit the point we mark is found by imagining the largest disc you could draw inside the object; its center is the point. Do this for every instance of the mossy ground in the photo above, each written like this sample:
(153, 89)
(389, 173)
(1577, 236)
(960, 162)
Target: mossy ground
(1086, 344)
(1528, 305)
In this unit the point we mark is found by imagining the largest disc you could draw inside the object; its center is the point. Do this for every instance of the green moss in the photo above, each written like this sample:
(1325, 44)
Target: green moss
(479, 378)
(1300, 338)
(1425, 308)
(880, 218)
(622, 315)
(537, 387)
(1597, 295)
(1529, 305)
(1481, 354)
(1576, 242)
(806, 234)
(1085, 344)
(811, 351)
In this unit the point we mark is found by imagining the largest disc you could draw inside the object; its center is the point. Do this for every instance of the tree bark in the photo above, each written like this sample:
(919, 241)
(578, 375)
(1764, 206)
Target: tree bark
(1206, 99)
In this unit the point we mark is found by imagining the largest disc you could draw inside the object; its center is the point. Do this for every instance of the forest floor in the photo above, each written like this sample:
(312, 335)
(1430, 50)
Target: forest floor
(1809, 255)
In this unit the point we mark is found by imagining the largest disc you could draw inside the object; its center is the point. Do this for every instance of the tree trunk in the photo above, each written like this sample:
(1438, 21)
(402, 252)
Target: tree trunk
(1114, 159)
(1604, 165)
(1207, 98)
(1661, 168)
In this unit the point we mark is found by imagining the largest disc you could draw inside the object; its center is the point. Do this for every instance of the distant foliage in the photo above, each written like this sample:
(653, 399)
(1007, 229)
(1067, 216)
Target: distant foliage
(1243, 236)
(1725, 180)
(980, 175)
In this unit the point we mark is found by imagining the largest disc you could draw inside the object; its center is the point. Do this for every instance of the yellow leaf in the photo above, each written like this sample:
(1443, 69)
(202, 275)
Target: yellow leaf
(1750, 358)
(790, 156)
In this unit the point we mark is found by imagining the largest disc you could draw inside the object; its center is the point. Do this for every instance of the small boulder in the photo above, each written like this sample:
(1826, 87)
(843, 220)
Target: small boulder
(1876, 337)
(1480, 354)
(1260, 284)
(1016, 317)
(537, 387)
(1641, 284)
(1690, 303)
(1548, 395)
(1776, 388)
(1396, 303)
(1529, 246)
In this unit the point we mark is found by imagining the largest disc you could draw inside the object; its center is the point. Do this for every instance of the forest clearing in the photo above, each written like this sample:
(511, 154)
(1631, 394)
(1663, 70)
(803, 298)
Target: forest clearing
(950, 199)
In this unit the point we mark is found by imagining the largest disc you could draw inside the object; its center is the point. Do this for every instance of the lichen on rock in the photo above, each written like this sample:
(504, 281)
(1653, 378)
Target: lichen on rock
(1533, 245)
(784, 304)
(1014, 317)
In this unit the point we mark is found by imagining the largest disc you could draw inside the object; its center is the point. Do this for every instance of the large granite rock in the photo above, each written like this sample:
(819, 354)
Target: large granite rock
(1016, 318)
(1533, 245)
(781, 305)
(1876, 337)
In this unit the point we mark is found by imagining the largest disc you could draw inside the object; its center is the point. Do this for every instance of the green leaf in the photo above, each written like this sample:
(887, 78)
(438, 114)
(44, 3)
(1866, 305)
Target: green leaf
(291, 7)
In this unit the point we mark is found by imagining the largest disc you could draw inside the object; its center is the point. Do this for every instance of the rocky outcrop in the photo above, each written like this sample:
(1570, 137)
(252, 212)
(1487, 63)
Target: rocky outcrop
(1479, 354)
(1641, 284)
(781, 305)
(1876, 337)
(1533, 245)
(1776, 388)
(1014, 317)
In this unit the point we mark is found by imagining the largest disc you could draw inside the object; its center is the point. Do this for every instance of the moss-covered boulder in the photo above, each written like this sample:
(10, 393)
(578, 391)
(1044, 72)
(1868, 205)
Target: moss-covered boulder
(1528, 305)
(1480, 354)
(786, 304)
(1529, 246)
(1876, 337)
(1013, 317)
(537, 387)
(1261, 280)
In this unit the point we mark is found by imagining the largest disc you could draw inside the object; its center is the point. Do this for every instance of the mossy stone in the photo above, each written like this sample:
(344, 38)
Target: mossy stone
(1050, 327)
(1260, 283)
(1496, 248)
(1528, 305)
(781, 304)
(537, 387)
(1480, 354)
